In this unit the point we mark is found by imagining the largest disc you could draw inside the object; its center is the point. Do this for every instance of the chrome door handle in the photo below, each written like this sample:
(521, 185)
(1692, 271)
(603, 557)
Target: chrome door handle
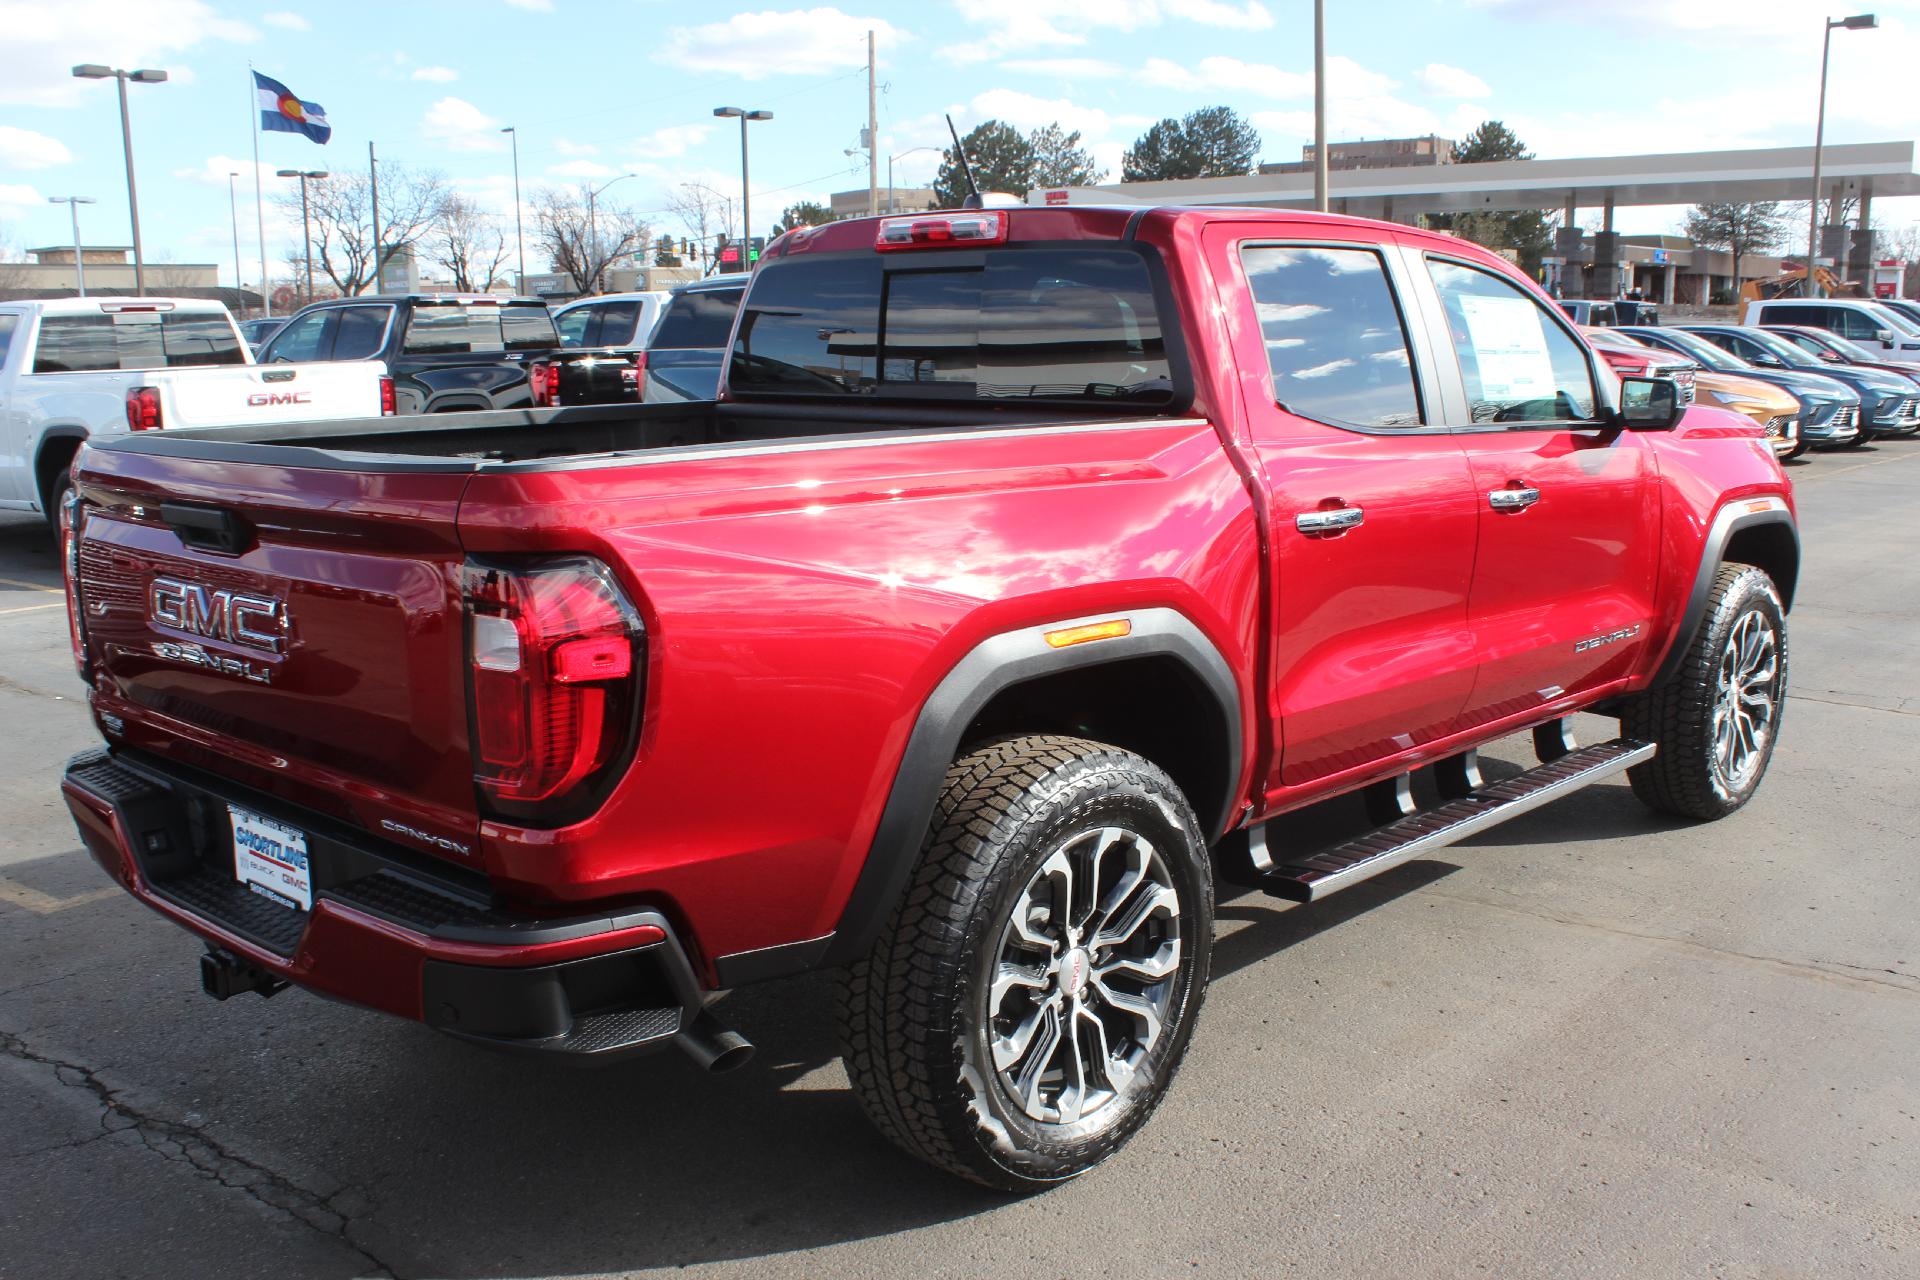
(1317, 523)
(1513, 499)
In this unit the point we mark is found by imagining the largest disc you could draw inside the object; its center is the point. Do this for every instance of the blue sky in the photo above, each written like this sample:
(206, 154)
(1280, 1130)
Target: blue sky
(599, 88)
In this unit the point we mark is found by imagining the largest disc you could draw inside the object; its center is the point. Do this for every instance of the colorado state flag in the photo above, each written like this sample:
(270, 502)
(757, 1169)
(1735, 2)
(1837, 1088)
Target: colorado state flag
(281, 111)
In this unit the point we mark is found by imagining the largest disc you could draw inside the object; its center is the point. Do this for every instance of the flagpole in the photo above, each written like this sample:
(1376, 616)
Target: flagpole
(259, 205)
(373, 172)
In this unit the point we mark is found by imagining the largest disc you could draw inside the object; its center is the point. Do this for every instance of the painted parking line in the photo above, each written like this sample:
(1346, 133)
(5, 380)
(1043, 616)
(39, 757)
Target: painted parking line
(32, 586)
(1825, 474)
(31, 608)
(45, 904)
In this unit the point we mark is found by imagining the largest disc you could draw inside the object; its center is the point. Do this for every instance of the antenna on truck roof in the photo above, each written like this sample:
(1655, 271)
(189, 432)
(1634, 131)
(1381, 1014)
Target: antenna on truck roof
(973, 200)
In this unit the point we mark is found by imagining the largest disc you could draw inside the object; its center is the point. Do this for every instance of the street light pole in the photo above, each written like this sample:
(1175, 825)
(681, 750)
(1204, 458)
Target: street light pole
(1858, 22)
(306, 227)
(73, 204)
(94, 71)
(596, 268)
(746, 194)
(519, 240)
(1320, 105)
(890, 159)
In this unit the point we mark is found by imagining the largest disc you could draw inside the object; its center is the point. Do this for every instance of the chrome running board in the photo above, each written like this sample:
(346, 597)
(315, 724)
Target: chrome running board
(1314, 877)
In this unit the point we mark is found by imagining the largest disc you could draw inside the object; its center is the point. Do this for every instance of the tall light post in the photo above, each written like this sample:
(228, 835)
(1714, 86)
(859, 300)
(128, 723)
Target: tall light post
(890, 159)
(746, 197)
(233, 211)
(1858, 22)
(306, 228)
(597, 268)
(1320, 105)
(73, 204)
(519, 240)
(94, 71)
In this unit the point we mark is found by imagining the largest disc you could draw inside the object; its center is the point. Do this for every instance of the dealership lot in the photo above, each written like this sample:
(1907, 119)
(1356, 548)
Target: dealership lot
(1590, 1043)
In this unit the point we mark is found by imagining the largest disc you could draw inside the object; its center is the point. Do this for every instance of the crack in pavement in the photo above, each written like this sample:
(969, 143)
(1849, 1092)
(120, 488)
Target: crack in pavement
(1842, 702)
(186, 1144)
(1909, 984)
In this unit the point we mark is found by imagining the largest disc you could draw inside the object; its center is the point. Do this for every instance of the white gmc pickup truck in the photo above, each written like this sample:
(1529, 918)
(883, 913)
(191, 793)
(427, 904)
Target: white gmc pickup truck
(76, 369)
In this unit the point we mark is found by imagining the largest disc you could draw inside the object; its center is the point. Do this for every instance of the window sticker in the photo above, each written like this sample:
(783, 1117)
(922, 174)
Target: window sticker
(1509, 348)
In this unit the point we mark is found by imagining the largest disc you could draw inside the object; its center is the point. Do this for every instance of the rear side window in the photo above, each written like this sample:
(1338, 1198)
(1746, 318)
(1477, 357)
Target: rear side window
(1334, 338)
(136, 340)
(479, 329)
(8, 323)
(618, 320)
(299, 339)
(1059, 324)
(698, 318)
(360, 332)
(576, 326)
(1519, 366)
(1814, 317)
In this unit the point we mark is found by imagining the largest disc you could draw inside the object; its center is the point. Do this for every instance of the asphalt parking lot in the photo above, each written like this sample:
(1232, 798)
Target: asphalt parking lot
(1589, 1043)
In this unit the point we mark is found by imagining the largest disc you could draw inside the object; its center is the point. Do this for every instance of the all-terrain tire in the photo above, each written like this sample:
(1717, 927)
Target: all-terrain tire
(1691, 776)
(917, 1015)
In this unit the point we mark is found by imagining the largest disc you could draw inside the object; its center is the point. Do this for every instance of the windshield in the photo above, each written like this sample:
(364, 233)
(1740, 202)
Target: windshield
(132, 339)
(1012, 324)
(1817, 342)
(698, 318)
(1899, 321)
(1789, 354)
(1699, 350)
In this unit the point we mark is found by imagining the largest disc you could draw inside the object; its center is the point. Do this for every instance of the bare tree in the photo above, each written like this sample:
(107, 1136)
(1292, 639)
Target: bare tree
(340, 212)
(583, 239)
(705, 213)
(468, 243)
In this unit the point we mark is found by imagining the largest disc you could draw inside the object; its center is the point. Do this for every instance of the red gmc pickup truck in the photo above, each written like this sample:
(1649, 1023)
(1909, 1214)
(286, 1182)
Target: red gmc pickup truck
(1030, 564)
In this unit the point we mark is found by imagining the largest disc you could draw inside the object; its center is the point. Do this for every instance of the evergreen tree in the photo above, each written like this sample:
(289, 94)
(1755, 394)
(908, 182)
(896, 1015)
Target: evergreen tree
(1213, 142)
(1060, 161)
(1527, 232)
(806, 213)
(1002, 160)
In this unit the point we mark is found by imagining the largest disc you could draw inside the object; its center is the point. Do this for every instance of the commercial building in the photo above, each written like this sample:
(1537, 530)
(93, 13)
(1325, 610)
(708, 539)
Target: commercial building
(853, 204)
(1376, 153)
(109, 268)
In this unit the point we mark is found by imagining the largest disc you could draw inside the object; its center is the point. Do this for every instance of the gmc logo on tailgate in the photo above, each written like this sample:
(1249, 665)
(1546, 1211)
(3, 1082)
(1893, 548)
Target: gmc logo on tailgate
(257, 621)
(261, 399)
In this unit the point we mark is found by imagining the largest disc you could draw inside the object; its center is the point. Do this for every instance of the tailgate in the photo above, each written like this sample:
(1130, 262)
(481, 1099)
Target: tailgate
(270, 393)
(296, 628)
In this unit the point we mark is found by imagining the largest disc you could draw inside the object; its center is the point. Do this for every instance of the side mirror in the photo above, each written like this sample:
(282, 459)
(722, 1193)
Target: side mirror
(1883, 335)
(1648, 404)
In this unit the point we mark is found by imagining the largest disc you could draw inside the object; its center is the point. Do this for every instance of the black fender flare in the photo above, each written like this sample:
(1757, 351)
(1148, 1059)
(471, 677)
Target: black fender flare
(1729, 520)
(995, 664)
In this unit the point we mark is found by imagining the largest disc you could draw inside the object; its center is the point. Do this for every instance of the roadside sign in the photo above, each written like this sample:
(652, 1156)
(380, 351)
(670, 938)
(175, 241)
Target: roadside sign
(1057, 196)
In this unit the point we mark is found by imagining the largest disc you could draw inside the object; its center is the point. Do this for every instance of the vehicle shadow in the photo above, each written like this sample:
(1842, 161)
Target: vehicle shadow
(27, 550)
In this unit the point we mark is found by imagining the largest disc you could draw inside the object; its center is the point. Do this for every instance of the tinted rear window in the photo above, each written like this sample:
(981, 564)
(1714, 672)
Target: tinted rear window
(700, 318)
(466, 330)
(1056, 324)
(136, 340)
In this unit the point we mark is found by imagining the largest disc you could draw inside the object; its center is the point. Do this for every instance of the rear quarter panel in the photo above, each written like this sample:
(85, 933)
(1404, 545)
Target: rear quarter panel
(802, 602)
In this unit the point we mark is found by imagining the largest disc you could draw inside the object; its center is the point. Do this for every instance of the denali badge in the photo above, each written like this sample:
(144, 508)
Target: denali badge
(1612, 637)
(193, 655)
(257, 621)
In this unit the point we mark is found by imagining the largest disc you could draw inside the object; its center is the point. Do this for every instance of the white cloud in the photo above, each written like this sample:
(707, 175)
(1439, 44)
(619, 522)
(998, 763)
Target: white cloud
(16, 198)
(1248, 16)
(754, 46)
(670, 141)
(25, 149)
(1443, 81)
(44, 40)
(1221, 73)
(458, 125)
(436, 75)
(567, 148)
(1751, 21)
(213, 171)
(286, 21)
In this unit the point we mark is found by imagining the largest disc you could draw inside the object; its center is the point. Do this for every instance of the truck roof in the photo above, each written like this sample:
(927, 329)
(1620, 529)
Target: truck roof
(93, 304)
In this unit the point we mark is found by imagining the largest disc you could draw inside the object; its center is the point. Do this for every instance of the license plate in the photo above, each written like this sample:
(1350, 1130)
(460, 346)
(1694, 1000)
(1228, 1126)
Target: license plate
(270, 858)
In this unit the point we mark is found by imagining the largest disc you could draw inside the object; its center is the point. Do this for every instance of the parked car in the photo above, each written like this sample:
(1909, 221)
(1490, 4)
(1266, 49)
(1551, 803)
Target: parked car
(1774, 411)
(1829, 410)
(689, 346)
(446, 352)
(1830, 348)
(256, 332)
(1889, 402)
(79, 369)
(1906, 308)
(1629, 357)
(1035, 563)
(604, 345)
(1871, 324)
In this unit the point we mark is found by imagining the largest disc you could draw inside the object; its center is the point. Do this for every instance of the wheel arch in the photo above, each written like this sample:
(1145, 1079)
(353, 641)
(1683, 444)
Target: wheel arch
(1755, 531)
(58, 446)
(1010, 679)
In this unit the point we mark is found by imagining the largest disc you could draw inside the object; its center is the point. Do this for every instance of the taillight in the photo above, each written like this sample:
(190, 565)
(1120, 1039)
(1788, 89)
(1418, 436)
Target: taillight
(633, 377)
(143, 409)
(72, 518)
(389, 402)
(545, 379)
(940, 230)
(556, 658)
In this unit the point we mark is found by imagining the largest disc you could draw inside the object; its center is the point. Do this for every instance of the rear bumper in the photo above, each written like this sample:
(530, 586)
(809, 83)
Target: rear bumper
(385, 931)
